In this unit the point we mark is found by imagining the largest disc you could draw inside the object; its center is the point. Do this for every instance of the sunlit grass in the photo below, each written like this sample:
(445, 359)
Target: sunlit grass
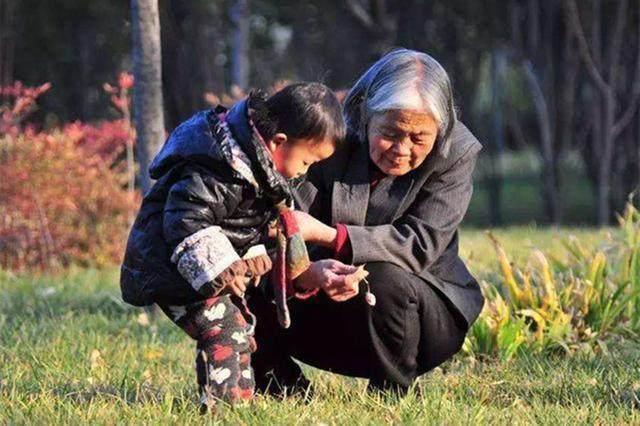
(72, 352)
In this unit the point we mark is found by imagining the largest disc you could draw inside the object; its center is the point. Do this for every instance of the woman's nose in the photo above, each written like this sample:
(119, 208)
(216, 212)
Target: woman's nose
(402, 147)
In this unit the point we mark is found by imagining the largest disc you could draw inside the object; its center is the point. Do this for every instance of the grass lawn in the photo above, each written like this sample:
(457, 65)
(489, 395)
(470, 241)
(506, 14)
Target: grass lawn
(72, 352)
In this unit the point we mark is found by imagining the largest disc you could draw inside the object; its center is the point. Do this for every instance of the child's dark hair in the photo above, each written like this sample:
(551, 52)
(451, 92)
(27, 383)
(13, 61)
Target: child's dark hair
(301, 111)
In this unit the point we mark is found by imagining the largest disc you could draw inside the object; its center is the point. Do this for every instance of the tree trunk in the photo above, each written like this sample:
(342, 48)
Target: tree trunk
(147, 96)
(611, 126)
(604, 172)
(570, 66)
(550, 181)
(239, 14)
(498, 67)
(534, 50)
(375, 18)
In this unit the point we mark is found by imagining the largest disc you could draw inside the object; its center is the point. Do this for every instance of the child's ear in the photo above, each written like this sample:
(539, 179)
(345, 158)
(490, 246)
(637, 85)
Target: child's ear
(277, 140)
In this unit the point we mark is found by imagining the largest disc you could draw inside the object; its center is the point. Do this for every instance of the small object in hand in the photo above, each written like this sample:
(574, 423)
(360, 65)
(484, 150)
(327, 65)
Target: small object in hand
(361, 275)
(369, 297)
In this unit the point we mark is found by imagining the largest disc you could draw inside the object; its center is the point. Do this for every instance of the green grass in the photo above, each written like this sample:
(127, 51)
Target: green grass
(72, 352)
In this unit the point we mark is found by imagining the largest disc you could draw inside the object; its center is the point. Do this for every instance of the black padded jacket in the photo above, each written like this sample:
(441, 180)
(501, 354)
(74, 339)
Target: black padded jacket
(197, 188)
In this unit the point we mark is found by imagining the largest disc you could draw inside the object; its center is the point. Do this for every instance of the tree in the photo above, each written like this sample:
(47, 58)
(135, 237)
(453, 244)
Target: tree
(375, 18)
(534, 29)
(611, 117)
(239, 14)
(147, 97)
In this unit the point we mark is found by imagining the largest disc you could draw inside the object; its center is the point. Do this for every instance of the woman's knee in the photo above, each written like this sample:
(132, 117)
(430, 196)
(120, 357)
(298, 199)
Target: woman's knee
(391, 284)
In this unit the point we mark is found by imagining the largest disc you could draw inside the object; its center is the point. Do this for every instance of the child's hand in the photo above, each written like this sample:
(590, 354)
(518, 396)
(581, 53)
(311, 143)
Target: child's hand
(258, 266)
(233, 280)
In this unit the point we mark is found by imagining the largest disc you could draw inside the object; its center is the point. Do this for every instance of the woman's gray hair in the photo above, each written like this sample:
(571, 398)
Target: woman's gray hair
(402, 79)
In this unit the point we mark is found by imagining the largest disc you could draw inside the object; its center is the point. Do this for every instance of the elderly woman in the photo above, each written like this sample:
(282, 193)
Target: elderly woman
(392, 199)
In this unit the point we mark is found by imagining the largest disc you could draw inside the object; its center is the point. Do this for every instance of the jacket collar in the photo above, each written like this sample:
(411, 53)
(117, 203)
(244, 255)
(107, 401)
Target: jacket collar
(354, 203)
(271, 182)
(237, 118)
(350, 194)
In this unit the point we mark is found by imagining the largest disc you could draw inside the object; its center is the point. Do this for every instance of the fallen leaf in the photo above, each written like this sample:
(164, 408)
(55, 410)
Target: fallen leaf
(96, 359)
(143, 319)
(152, 354)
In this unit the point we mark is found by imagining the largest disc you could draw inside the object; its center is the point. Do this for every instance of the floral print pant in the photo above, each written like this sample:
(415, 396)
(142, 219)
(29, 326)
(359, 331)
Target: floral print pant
(222, 326)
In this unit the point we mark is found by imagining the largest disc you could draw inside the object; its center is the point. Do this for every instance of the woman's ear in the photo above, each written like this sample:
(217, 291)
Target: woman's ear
(277, 140)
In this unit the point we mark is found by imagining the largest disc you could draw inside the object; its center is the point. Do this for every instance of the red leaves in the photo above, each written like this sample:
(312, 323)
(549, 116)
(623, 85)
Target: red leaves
(120, 95)
(125, 80)
(64, 190)
(24, 103)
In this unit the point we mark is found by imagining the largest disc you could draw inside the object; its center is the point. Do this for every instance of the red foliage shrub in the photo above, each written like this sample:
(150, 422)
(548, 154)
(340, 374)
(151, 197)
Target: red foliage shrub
(63, 193)
(24, 102)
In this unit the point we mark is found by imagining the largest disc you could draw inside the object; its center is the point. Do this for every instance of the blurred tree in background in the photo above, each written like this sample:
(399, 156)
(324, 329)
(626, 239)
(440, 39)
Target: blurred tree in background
(550, 87)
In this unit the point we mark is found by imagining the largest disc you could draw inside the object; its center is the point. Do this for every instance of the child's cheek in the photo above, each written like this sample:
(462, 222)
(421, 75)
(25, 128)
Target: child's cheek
(288, 169)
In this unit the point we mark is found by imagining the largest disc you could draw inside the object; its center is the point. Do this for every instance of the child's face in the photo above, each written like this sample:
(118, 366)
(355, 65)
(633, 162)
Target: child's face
(293, 157)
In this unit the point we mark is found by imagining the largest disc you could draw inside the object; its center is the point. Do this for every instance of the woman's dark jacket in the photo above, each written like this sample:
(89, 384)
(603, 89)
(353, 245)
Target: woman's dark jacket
(196, 188)
(410, 220)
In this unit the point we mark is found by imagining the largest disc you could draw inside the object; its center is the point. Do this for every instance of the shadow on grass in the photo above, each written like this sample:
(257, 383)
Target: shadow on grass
(76, 292)
(129, 394)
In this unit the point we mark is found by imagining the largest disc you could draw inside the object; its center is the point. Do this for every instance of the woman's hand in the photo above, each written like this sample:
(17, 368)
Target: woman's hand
(314, 231)
(337, 280)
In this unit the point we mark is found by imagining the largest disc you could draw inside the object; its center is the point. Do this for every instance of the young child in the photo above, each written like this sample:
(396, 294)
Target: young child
(221, 180)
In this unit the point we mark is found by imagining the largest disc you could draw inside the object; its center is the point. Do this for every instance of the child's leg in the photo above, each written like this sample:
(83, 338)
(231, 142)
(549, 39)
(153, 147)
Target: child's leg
(223, 351)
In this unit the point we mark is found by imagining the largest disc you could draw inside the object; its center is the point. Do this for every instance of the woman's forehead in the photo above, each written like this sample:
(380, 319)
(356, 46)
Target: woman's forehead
(409, 120)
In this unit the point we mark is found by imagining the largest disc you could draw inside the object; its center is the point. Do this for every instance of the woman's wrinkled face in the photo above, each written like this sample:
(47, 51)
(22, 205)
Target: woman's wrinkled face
(400, 140)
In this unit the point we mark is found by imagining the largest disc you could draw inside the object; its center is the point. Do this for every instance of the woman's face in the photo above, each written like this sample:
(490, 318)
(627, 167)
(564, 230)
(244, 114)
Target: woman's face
(400, 140)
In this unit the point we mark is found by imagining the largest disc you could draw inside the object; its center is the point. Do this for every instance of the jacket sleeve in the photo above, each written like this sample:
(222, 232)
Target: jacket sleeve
(195, 202)
(419, 237)
(195, 205)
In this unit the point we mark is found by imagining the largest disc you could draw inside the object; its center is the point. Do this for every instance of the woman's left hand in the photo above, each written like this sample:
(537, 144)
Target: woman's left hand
(314, 231)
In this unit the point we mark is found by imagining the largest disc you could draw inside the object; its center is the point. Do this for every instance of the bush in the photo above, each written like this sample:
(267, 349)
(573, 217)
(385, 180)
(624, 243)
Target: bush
(63, 192)
(550, 305)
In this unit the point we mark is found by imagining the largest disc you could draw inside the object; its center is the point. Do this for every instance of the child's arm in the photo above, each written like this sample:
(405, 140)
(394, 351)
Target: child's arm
(196, 202)
(204, 256)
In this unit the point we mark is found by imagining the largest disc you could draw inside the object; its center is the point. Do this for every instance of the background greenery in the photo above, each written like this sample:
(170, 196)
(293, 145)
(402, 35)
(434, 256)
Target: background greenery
(517, 73)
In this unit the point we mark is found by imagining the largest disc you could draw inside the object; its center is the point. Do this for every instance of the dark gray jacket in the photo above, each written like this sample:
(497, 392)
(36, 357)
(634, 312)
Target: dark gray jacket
(409, 220)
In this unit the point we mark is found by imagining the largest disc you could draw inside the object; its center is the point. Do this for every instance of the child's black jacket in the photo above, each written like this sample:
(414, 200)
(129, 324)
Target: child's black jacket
(197, 188)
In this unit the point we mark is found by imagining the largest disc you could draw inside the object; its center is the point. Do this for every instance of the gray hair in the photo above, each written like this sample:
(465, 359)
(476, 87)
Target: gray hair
(402, 79)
